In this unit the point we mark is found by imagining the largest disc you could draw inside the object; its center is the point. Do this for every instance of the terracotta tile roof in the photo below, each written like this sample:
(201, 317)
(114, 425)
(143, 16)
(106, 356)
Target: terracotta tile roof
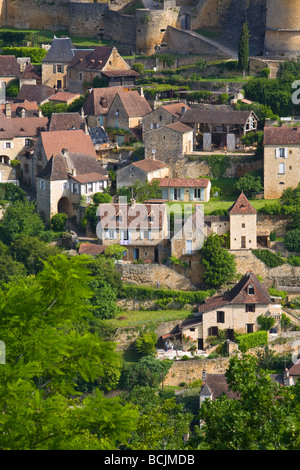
(216, 385)
(60, 166)
(179, 127)
(89, 177)
(135, 105)
(98, 97)
(238, 295)
(21, 127)
(242, 206)
(66, 122)
(30, 72)
(91, 249)
(120, 73)
(38, 93)
(282, 135)
(64, 96)
(73, 140)
(176, 108)
(182, 182)
(31, 108)
(131, 213)
(9, 66)
(218, 116)
(294, 370)
(148, 164)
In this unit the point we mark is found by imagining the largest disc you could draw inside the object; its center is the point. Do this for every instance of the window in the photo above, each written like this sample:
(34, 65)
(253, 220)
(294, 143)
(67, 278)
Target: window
(197, 193)
(250, 327)
(42, 184)
(250, 307)
(281, 170)
(250, 289)
(58, 84)
(220, 317)
(27, 142)
(75, 188)
(281, 153)
(59, 69)
(80, 76)
(189, 247)
(7, 145)
(243, 225)
(89, 187)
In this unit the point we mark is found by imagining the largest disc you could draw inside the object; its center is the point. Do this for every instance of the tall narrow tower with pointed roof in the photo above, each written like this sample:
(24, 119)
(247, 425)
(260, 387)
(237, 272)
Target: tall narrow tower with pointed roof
(243, 224)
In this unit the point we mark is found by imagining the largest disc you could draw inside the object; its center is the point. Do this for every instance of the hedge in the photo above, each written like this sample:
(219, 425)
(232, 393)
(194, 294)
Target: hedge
(149, 293)
(36, 54)
(270, 259)
(252, 340)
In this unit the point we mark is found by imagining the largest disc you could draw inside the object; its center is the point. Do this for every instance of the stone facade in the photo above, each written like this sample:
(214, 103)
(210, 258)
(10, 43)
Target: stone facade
(129, 174)
(243, 231)
(167, 143)
(281, 169)
(282, 28)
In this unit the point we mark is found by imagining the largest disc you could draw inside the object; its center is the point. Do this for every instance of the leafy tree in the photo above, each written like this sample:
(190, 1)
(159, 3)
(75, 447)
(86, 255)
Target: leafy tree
(115, 251)
(103, 303)
(147, 372)
(292, 240)
(145, 343)
(10, 269)
(265, 322)
(11, 192)
(58, 222)
(264, 415)
(101, 198)
(162, 424)
(141, 191)
(219, 263)
(249, 184)
(20, 218)
(243, 50)
(46, 355)
(31, 252)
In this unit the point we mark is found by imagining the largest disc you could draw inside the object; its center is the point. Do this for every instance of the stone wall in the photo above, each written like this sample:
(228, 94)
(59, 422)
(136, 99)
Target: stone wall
(37, 14)
(149, 275)
(181, 42)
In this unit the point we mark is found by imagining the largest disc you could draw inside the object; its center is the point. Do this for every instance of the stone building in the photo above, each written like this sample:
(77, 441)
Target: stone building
(243, 225)
(103, 62)
(234, 311)
(30, 76)
(36, 93)
(127, 111)
(185, 189)
(141, 228)
(219, 128)
(10, 69)
(98, 103)
(281, 160)
(19, 128)
(63, 97)
(143, 170)
(163, 115)
(169, 142)
(67, 121)
(66, 178)
(52, 143)
(282, 28)
(55, 63)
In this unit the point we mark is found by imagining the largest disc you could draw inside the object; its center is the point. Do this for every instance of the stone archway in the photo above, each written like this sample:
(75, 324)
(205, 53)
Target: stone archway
(4, 159)
(64, 205)
(185, 22)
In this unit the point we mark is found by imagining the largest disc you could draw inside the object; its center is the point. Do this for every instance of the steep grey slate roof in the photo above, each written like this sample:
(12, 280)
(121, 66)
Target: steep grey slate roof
(98, 135)
(61, 50)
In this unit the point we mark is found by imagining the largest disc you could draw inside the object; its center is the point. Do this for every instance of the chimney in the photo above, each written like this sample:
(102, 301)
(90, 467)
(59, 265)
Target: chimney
(133, 202)
(40, 113)
(140, 90)
(81, 112)
(74, 172)
(7, 109)
(65, 152)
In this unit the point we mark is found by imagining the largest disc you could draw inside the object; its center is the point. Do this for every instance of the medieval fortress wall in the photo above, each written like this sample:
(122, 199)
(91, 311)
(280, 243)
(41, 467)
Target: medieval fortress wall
(277, 20)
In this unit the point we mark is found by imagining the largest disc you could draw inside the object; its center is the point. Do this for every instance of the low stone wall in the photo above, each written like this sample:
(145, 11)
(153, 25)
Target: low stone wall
(149, 275)
(189, 371)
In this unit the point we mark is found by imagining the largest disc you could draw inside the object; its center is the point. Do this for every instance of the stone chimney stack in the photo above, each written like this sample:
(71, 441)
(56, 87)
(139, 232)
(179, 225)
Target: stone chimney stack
(7, 109)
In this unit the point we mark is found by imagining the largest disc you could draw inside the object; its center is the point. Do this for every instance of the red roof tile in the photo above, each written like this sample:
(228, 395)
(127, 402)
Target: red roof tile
(242, 206)
(75, 141)
(183, 182)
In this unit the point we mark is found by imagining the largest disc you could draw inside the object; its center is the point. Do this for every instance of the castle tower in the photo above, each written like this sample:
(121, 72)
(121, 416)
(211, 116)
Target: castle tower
(283, 28)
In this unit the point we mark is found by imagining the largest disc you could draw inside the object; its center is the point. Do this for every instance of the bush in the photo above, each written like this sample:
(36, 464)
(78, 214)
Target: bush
(252, 340)
(292, 240)
(58, 222)
(265, 322)
(145, 344)
(270, 259)
(149, 293)
(137, 67)
(101, 198)
(36, 54)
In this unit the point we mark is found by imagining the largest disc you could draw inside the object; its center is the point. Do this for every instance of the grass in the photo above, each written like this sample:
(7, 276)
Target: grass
(137, 318)
(216, 204)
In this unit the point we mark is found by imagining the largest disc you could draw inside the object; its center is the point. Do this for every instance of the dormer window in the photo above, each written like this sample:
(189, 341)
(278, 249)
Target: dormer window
(250, 289)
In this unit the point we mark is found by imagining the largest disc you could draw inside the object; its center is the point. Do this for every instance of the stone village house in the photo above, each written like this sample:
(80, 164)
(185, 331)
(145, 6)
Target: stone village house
(184, 189)
(65, 179)
(281, 160)
(55, 63)
(163, 115)
(98, 103)
(142, 170)
(141, 228)
(234, 311)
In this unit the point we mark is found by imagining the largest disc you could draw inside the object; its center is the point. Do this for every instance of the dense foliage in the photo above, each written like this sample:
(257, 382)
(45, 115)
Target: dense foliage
(220, 265)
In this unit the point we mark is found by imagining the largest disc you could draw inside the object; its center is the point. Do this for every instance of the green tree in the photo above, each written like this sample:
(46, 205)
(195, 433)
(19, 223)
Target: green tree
(46, 355)
(101, 198)
(220, 266)
(145, 343)
(249, 184)
(292, 240)
(243, 49)
(58, 222)
(115, 251)
(20, 218)
(265, 322)
(263, 416)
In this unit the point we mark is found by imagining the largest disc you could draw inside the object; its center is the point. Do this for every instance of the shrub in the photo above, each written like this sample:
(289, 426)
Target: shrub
(58, 222)
(101, 198)
(137, 67)
(149, 293)
(265, 322)
(292, 240)
(270, 259)
(277, 293)
(252, 340)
